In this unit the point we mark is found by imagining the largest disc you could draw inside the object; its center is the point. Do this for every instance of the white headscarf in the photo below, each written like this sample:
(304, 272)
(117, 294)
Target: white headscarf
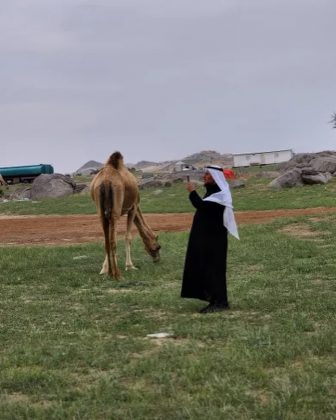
(224, 198)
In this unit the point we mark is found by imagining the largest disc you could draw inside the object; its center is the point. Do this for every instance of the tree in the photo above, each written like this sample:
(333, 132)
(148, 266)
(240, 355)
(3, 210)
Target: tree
(333, 120)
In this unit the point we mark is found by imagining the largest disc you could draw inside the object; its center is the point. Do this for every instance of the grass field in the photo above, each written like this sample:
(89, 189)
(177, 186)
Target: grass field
(75, 345)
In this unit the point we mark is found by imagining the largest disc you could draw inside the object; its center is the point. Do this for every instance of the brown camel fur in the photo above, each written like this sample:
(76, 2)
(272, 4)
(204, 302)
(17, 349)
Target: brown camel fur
(115, 191)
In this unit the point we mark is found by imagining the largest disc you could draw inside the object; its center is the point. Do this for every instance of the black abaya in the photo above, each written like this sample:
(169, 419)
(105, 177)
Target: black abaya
(204, 274)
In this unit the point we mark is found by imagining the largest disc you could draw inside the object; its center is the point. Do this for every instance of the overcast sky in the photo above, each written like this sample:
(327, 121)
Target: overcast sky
(162, 79)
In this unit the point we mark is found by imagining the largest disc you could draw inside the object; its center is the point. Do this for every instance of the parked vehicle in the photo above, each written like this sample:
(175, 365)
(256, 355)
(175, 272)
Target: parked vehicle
(16, 174)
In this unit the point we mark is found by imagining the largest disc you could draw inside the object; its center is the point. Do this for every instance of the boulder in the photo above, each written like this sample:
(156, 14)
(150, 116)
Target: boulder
(291, 178)
(298, 160)
(318, 178)
(324, 164)
(303, 157)
(52, 186)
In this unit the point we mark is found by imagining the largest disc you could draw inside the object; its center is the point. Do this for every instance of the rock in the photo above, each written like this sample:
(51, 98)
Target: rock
(298, 160)
(52, 186)
(308, 170)
(324, 164)
(318, 178)
(291, 178)
(21, 195)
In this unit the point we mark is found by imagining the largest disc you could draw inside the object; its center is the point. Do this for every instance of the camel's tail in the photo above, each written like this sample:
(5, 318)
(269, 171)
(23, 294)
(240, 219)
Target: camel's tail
(116, 160)
(106, 207)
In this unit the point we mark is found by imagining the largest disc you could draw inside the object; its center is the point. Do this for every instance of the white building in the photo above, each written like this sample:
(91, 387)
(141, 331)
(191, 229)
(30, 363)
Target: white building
(262, 158)
(182, 166)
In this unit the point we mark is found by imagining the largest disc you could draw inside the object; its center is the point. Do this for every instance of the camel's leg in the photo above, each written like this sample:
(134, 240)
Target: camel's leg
(113, 240)
(114, 270)
(128, 239)
(104, 269)
(106, 228)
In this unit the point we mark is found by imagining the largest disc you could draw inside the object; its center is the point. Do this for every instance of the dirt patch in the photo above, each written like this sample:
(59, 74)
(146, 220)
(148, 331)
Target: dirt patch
(315, 219)
(299, 231)
(61, 230)
(16, 397)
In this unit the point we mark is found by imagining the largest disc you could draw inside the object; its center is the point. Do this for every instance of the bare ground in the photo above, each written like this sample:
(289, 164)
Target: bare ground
(50, 230)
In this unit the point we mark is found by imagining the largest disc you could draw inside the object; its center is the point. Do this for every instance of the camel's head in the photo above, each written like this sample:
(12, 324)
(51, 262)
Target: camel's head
(153, 248)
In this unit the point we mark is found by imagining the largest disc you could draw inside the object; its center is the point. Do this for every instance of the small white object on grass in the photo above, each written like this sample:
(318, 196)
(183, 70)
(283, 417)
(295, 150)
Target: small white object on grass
(161, 335)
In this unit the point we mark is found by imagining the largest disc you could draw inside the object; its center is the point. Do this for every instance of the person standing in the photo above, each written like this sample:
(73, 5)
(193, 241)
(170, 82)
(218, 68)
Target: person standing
(204, 275)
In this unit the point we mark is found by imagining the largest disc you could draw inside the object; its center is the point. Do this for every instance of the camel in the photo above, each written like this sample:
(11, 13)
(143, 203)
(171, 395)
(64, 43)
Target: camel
(115, 192)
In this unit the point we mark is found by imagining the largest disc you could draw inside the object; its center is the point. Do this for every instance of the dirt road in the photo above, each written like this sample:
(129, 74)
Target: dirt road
(34, 230)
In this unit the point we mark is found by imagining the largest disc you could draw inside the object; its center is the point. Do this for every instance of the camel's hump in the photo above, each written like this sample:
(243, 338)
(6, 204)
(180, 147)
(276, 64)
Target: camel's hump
(116, 160)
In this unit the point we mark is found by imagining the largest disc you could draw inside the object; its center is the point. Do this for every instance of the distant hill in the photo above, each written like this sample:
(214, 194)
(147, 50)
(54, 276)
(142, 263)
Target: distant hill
(207, 157)
(144, 164)
(89, 167)
(198, 160)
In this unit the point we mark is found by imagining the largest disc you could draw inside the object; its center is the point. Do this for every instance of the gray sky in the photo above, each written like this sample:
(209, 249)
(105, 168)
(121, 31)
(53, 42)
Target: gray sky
(159, 80)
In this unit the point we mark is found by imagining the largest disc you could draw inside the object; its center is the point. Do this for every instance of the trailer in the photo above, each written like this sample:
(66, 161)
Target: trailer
(262, 158)
(16, 174)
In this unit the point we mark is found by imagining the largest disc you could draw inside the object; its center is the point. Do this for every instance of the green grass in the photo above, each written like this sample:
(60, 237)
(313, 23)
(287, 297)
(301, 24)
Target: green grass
(256, 195)
(74, 343)
(74, 204)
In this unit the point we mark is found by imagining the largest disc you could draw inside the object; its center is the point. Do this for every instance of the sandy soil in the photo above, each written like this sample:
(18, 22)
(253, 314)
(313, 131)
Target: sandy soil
(35, 230)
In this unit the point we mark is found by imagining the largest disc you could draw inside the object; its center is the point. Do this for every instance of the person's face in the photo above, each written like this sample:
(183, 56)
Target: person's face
(207, 179)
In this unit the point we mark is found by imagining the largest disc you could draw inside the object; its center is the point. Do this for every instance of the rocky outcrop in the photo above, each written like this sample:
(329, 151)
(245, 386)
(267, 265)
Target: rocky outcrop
(306, 169)
(49, 186)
